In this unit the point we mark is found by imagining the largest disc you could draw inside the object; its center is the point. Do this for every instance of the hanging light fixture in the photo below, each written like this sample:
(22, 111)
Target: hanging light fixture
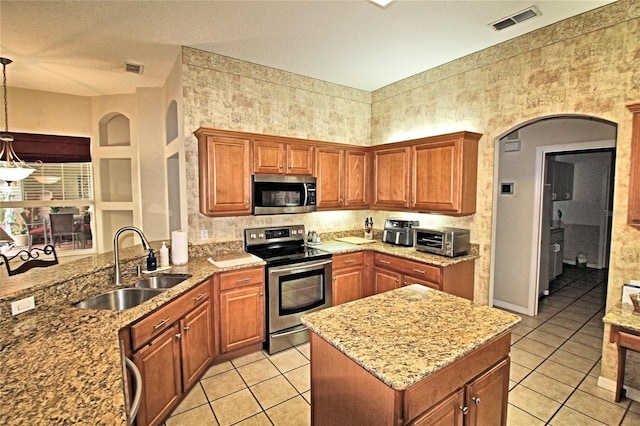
(12, 168)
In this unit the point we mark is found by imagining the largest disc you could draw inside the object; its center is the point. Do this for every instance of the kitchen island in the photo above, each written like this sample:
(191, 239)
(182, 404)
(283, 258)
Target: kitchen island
(409, 356)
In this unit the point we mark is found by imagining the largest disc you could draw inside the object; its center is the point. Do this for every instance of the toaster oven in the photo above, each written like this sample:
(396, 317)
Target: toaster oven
(449, 242)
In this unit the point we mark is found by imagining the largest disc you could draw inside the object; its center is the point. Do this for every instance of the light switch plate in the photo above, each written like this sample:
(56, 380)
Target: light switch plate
(204, 234)
(23, 305)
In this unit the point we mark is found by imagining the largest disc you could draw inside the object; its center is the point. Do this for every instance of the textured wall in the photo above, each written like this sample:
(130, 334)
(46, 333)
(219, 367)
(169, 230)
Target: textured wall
(226, 93)
(584, 65)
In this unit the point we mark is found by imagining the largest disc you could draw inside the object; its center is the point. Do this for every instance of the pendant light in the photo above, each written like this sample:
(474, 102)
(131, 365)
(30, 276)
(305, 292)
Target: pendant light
(12, 168)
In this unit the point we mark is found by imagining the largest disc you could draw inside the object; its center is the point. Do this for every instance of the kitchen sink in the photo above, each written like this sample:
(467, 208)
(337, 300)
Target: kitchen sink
(162, 282)
(120, 299)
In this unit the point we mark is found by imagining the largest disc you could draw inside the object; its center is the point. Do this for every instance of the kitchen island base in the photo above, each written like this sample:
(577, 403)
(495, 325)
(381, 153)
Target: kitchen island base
(472, 390)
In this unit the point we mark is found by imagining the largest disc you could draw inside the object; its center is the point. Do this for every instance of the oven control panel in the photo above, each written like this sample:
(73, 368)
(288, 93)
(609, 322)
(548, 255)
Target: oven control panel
(256, 236)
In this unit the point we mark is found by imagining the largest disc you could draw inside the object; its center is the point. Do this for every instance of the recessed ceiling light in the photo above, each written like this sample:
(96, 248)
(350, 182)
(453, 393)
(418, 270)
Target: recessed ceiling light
(382, 3)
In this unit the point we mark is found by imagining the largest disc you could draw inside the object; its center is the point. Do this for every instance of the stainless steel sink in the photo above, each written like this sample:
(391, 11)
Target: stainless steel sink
(162, 282)
(120, 299)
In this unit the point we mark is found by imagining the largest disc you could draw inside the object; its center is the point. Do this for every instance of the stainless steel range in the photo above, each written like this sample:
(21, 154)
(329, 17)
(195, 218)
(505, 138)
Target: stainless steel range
(298, 280)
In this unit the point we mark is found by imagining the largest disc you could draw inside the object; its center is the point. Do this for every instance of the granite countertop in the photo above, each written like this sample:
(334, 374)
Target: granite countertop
(338, 247)
(623, 315)
(405, 335)
(62, 365)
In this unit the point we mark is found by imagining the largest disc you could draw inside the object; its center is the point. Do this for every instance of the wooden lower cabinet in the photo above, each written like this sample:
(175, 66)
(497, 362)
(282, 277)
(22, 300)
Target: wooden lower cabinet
(471, 391)
(173, 346)
(391, 272)
(242, 309)
(348, 277)
(159, 365)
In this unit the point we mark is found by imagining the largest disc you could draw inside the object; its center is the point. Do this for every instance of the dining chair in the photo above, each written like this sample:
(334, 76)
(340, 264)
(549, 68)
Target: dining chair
(25, 260)
(35, 229)
(62, 224)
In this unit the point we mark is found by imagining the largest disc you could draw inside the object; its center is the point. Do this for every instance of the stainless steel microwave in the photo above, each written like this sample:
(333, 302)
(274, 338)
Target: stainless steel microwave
(275, 194)
(449, 242)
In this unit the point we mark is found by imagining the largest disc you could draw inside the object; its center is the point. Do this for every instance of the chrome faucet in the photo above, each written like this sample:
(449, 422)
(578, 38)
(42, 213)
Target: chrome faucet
(116, 254)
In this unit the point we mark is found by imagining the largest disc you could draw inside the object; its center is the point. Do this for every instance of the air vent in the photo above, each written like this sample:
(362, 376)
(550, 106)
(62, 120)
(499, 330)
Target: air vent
(133, 68)
(516, 18)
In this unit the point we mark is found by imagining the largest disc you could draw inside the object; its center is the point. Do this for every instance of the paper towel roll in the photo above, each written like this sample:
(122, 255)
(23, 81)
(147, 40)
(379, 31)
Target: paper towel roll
(179, 247)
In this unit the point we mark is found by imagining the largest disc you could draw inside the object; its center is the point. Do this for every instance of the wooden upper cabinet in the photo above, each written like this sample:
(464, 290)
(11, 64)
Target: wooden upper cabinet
(225, 174)
(633, 217)
(391, 177)
(272, 157)
(330, 175)
(356, 182)
(444, 174)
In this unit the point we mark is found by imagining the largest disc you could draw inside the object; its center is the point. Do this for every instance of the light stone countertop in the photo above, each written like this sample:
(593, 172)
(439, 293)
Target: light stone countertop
(405, 335)
(62, 365)
(623, 315)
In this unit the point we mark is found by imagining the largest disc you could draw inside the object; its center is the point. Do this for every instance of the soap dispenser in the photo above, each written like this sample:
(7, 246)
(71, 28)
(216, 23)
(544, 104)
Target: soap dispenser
(152, 263)
(164, 255)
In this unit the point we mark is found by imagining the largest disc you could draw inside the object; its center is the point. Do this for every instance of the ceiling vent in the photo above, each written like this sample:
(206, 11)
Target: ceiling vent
(133, 68)
(521, 16)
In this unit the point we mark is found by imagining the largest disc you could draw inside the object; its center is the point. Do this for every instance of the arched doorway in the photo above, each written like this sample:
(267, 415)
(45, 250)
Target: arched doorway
(518, 234)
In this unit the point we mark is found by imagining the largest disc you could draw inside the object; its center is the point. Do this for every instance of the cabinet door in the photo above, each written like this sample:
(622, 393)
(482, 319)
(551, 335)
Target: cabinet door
(563, 180)
(633, 217)
(159, 365)
(487, 397)
(449, 412)
(391, 183)
(196, 343)
(347, 285)
(436, 176)
(268, 157)
(356, 191)
(299, 159)
(242, 321)
(225, 177)
(330, 175)
(385, 280)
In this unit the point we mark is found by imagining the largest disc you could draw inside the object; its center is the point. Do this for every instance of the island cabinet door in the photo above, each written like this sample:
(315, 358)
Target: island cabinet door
(486, 397)
(449, 412)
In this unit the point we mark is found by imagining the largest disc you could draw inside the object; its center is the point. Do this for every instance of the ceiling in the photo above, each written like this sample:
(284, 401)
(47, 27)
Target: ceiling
(79, 47)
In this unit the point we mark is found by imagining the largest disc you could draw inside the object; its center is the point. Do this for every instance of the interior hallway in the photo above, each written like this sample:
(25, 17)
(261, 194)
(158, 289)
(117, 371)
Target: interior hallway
(555, 366)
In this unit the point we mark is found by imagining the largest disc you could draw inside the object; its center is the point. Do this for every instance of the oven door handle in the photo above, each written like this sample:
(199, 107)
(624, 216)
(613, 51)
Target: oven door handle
(286, 333)
(300, 268)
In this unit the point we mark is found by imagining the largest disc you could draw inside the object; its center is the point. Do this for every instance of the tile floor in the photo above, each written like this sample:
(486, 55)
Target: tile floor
(555, 366)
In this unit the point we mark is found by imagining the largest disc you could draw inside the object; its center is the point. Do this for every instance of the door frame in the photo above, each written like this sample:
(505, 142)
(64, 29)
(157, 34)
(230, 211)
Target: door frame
(536, 231)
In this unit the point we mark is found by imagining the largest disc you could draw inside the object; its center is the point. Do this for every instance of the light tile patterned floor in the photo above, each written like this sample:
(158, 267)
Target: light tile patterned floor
(555, 366)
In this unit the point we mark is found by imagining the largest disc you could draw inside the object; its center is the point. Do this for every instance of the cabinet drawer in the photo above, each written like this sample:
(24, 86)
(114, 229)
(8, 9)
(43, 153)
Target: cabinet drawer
(409, 280)
(418, 270)
(348, 260)
(160, 319)
(241, 278)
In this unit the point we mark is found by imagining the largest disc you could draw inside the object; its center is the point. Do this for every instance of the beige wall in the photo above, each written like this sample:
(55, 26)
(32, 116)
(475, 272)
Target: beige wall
(584, 65)
(33, 111)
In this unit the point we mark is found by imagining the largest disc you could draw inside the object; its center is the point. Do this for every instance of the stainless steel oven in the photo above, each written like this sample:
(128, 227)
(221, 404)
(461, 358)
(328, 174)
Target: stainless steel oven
(298, 280)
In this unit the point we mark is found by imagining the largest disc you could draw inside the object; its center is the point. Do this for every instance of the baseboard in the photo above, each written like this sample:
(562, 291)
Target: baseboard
(610, 385)
(510, 307)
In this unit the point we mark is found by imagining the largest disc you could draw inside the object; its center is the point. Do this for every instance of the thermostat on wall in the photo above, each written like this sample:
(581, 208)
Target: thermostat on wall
(506, 188)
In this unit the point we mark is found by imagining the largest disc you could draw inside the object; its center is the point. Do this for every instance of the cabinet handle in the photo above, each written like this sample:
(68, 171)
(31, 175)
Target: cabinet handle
(386, 262)
(404, 283)
(246, 202)
(419, 271)
(243, 280)
(161, 323)
(186, 328)
(476, 400)
(290, 166)
(261, 294)
(349, 261)
(179, 336)
(200, 296)
(341, 201)
(464, 409)
(280, 166)
(397, 280)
